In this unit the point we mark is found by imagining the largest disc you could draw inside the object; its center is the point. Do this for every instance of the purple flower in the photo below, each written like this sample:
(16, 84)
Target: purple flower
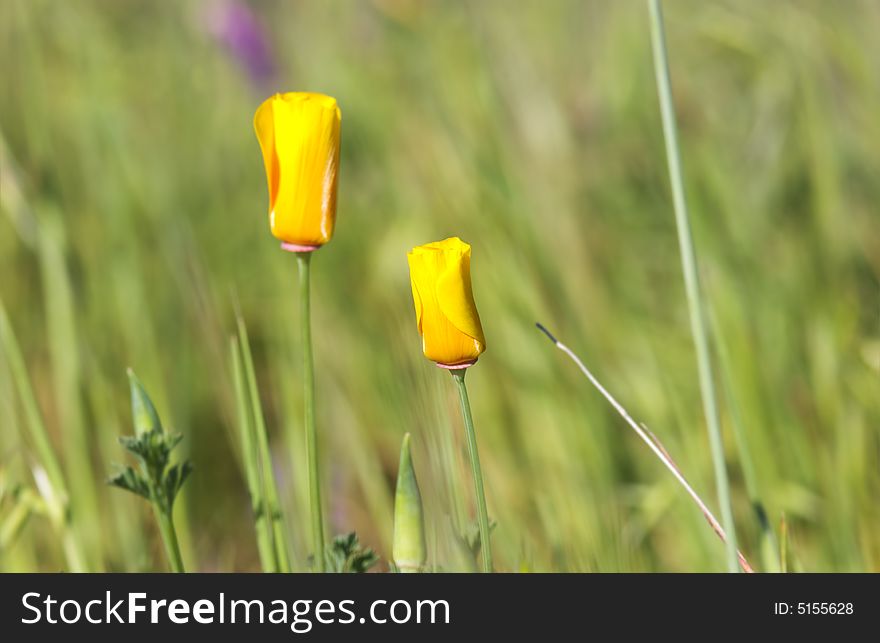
(240, 31)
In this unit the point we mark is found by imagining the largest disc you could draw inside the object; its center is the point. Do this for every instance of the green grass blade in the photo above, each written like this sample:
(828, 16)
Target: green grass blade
(51, 478)
(768, 545)
(33, 418)
(270, 488)
(66, 377)
(692, 281)
(15, 519)
(253, 474)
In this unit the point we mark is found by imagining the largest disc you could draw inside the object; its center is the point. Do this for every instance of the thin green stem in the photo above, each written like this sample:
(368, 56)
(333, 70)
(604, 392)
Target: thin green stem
(473, 452)
(57, 490)
(769, 544)
(272, 504)
(304, 260)
(253, 476)
(72, 552)
(66, 377)
(169, 537)
(691, 278)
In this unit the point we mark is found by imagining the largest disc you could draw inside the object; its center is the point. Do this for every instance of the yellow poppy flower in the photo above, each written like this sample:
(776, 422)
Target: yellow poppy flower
(446, 314)
(299, 137)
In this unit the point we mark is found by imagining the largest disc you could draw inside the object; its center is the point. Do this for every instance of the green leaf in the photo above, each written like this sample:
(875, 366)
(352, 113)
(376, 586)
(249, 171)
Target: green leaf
(130, 480)
(174, 479)
(346, 556)
(171, 441)
(152, 449)
(136, 446)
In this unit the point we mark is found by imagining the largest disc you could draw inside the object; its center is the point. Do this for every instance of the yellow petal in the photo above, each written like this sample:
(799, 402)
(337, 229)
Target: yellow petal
(446, 315)
(265, 128)
(455, 293)
(417, 299)
(302, 132)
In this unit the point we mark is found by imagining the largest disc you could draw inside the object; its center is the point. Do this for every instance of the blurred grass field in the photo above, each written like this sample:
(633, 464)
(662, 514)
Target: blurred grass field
(134, 217)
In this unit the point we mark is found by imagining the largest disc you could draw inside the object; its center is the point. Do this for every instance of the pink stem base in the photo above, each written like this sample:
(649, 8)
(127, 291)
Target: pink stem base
(455, 367)
(295, 247)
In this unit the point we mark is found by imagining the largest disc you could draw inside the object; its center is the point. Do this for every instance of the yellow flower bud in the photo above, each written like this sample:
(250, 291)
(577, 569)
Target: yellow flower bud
(446, 314)
(299, 137)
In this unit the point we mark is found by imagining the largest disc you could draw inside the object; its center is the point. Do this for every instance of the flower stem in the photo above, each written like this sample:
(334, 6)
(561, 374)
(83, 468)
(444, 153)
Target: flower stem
(169, 537)
(691, 278)
(304, 259)
(482, 515)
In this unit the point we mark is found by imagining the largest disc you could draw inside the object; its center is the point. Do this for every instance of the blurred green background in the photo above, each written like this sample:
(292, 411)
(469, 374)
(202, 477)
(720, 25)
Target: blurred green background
(134, 216)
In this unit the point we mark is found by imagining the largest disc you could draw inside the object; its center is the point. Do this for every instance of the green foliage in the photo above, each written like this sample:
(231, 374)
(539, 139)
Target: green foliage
(534, 135)
(156, 481)
(130, 480)
(17, 504)
(253, 465)
(265, 501)
(345, 555)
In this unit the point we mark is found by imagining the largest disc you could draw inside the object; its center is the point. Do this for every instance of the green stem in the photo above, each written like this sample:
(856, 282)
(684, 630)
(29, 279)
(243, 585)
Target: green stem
(769, 544)
(691, 278)
(66, 375)
(482, 515)
(61, 514)
(169, 537)
(304, 260)
(272, 504)
(72, 553)
(253, 477)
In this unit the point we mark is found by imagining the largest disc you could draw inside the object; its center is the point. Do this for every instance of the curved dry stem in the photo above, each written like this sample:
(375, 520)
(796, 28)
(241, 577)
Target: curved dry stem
(655, 445)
